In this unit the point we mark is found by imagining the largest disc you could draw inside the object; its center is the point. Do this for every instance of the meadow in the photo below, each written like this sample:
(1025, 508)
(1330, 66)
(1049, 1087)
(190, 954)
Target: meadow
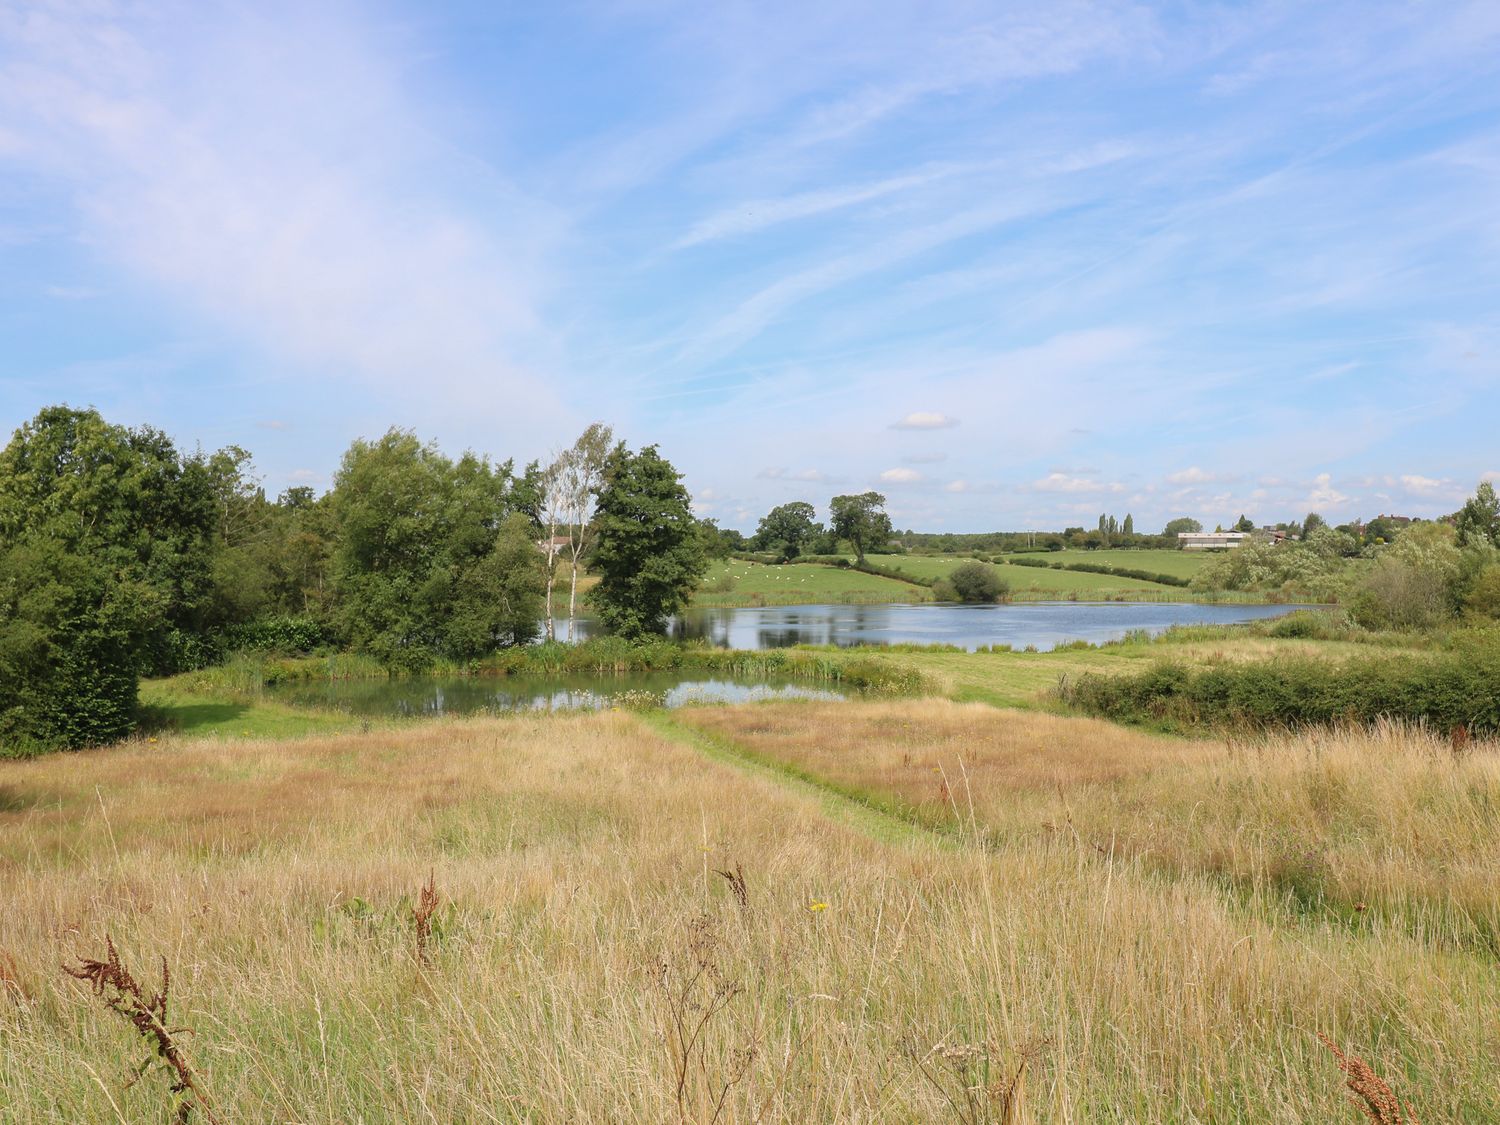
(737, 582)
(937, 911)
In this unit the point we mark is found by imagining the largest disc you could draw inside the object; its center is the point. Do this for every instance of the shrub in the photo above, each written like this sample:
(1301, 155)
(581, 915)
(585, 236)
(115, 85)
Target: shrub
(1483, 598)
(1459, 687)
(283, 633)
(978, 582)
(70, 645)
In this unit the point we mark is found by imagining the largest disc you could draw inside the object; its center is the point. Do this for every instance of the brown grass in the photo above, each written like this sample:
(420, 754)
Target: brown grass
(575, 852)
(1370, 1093)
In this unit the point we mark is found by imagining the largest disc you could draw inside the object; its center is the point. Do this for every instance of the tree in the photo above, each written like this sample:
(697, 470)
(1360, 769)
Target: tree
(650, 551)
(1312, 523)
(786, 528)
(125, 499)
(1180, 525)
(553, 515)
(71, 633)
(1128, 527)
(498, 598)
(977, 582)
(861, 520)
(1478, 521)
(582, 477)
(413, 529)
(1244, 523)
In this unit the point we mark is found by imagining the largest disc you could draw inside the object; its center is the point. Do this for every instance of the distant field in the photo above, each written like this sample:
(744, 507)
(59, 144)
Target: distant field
(1027, 578)
(800, 584)
(1182, 564)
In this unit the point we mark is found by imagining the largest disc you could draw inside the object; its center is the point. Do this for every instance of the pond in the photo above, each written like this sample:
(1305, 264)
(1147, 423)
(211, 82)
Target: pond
(1042, 624)
(429, 696)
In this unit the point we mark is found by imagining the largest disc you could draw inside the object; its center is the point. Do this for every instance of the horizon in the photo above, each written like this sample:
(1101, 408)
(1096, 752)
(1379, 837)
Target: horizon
(1010, 268)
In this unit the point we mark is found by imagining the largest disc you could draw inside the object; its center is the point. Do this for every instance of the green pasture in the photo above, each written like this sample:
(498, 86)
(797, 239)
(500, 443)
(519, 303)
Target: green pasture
(799, 584)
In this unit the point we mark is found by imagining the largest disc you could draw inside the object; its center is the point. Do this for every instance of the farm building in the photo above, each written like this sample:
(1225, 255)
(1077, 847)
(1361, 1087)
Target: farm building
(1210, 540)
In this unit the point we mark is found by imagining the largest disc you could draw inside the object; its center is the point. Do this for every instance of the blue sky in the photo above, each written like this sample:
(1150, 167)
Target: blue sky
(1012, 265)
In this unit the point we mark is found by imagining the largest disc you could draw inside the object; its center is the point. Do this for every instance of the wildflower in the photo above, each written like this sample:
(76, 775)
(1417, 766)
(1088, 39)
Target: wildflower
(815, 907)
(150, 740)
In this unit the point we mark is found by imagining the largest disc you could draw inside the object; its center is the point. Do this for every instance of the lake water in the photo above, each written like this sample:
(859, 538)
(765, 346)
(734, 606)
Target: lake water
(1042, 624)
(465, 695)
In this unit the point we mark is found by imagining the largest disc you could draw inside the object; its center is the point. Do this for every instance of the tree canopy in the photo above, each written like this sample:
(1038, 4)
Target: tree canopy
(862, 520)
(786, 528)
(650, 554)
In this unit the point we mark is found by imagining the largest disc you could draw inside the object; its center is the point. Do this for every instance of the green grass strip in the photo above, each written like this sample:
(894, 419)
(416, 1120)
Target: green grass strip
(881, 820)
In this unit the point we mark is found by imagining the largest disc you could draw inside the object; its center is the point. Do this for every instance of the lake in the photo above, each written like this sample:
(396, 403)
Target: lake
(427, 696)
(1042, 624)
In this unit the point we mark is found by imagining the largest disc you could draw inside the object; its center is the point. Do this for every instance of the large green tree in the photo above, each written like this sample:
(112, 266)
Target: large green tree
(414, 532)
(127, 501)
(71, 633)
(650, 553)
(1180, 525)
(786, 528)
(862, 520)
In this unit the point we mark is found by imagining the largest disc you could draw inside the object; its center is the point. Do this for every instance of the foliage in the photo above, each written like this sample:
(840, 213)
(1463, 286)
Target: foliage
(1413, 583)
(650, 554)
(786, 528)
(862, 520)
(1459, 687)
(1483, 597)
(978, 582)
(1180, 525)
(1478, 521)
(70, 637)
(1314, 567)
(125, 500)
(421, 542)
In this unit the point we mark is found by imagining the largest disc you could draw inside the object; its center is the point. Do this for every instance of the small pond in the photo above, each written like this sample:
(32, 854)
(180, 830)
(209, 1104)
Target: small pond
(1042, 624)
(427, 696)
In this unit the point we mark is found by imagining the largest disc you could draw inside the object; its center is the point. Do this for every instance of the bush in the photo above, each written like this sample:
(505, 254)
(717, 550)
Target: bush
(1460, 687)
(978, 582)
(1483, 598)
(1400, 596)
(284, 633)
(70, 645)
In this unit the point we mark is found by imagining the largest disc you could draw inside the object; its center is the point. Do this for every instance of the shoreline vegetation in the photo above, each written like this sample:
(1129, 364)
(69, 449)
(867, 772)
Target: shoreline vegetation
(238, 698)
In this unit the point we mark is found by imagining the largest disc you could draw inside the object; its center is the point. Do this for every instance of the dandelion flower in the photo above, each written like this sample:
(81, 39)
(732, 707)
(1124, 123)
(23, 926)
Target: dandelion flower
(816, 907)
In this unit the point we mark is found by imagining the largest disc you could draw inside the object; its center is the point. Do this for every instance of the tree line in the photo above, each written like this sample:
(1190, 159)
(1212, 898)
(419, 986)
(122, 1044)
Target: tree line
(122, 556)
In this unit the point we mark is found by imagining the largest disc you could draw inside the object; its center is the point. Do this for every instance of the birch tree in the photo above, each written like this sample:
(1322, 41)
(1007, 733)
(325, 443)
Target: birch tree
(555, 513)
(581, 473)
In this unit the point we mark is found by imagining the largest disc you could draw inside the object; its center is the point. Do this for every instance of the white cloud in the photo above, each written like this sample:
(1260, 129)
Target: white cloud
(316, 216)
(1061, 482)
(756, 214)
(1421, 484)
(925, 420)
(1323, 493)
(926, 458)
(273, 424)
(1193, 475)
(956, 486)
(808, 476)
(1492, 475)
(900, 476)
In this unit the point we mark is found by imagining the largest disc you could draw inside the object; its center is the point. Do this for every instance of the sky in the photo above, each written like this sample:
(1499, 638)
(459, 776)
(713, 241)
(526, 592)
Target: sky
(1011, 265)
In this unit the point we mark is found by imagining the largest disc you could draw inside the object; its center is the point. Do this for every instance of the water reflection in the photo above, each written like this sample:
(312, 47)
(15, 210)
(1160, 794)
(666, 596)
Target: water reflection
(1041, 624)
(466, 695)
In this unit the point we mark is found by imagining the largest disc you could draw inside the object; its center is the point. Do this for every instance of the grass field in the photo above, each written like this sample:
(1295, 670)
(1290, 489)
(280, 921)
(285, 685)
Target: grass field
(933, 894)
(800, 584)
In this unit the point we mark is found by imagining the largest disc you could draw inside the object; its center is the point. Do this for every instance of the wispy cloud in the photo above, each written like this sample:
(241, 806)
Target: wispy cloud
(900, 476)
(925, 420)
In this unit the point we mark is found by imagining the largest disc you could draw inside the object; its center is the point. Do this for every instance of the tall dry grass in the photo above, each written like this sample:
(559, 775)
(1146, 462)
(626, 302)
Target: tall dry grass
(1375, 826)
(578, 855)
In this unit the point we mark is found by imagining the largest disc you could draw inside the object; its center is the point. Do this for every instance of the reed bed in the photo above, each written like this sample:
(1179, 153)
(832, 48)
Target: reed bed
(618, 927)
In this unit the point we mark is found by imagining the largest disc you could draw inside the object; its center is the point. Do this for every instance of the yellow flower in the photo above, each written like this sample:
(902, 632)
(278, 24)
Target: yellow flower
(817, 906)
(150, 740)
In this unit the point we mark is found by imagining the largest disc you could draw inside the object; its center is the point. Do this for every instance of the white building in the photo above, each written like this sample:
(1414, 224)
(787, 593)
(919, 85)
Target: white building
(1211, 540)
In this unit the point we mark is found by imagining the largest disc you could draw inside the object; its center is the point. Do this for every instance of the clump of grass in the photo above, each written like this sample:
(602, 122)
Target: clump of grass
(10, 981)
(737, 887)
(969, 1078)
(696, 990)
(421, 916)
(113, 983)
(1370, 1093)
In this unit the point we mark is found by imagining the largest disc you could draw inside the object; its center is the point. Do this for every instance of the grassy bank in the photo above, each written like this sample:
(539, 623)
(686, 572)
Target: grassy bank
(857, 965)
